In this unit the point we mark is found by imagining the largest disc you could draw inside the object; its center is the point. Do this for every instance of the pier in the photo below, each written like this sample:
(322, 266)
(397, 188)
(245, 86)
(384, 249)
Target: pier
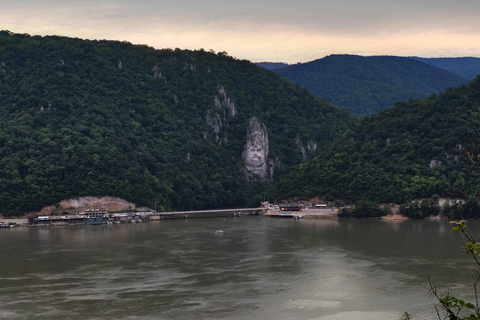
(198, 213)
(103, 217)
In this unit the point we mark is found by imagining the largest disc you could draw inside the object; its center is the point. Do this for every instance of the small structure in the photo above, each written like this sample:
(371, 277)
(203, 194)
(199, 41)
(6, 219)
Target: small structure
(94, 213)
(290, 208)
(94, 216)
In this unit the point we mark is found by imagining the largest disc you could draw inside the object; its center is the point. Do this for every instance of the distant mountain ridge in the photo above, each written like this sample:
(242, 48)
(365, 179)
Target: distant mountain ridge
(272, 65)
(366, 85)
(466, 67)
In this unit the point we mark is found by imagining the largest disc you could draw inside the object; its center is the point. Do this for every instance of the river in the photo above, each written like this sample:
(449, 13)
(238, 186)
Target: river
(257, 268)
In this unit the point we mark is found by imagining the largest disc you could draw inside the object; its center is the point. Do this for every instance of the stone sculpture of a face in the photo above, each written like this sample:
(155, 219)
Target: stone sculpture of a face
(255, 153)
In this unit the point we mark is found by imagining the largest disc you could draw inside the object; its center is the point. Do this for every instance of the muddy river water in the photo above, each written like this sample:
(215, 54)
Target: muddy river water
(257, 268)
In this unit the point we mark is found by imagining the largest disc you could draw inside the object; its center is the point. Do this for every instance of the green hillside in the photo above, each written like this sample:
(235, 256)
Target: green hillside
(466, 67)
(97, 118)
(366, 85)
(411, 151)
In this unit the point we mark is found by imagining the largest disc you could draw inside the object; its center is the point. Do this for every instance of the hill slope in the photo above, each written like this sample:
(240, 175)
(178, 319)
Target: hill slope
(467, 67)
(411, 151)
(272, 65)
(366, 85)
(95, 118)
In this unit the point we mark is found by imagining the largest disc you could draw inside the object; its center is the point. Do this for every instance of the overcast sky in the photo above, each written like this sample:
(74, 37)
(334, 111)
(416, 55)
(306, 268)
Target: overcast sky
(262, 30)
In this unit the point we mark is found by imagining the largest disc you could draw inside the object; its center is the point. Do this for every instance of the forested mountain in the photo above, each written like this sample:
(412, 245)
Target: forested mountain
(467, 67)
(411, 151)
(97, 118)
(366, 85)
(272, 65)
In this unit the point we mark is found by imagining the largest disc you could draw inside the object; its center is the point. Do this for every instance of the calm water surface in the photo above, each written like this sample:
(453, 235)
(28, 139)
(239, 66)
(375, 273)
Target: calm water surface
(258, 268)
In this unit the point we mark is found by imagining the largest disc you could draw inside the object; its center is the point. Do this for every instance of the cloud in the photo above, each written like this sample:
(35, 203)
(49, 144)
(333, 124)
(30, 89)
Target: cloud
(280, 30)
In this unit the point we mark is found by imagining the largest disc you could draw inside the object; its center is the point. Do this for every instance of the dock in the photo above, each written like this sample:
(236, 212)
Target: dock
(96, 217)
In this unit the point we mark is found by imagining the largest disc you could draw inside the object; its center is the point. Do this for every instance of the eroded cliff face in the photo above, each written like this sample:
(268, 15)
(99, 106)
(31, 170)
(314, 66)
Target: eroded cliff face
(310, 147)
(255, 153)
(217, 117)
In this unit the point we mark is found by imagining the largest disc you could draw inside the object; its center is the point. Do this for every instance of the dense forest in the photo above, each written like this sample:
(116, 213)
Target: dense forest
(98, 118)
(415, 150)
(466, 67)
(272, 65)
(366, 85)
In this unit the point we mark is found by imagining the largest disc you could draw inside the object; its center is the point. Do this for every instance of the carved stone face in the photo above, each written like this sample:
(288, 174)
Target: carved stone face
(255, 154)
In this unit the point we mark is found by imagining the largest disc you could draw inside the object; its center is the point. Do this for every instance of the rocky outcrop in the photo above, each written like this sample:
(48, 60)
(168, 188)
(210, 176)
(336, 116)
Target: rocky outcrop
(255, 153)
(214, 121)
(434, 163)
(223, 110)
(308, 149)
(223, 101)
(76, 205)
(157, 74)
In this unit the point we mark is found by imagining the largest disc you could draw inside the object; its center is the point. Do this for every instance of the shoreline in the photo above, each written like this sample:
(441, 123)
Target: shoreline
(305, 213)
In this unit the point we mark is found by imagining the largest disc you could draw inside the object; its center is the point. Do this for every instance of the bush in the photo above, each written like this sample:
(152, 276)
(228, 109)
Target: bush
(363, 209)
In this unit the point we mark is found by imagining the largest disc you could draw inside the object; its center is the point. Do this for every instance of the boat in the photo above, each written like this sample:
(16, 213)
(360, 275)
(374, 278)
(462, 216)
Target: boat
(281, 214)
(6, 225)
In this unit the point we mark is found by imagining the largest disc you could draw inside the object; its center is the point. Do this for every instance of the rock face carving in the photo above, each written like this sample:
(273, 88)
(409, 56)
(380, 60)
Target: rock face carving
(255, 153)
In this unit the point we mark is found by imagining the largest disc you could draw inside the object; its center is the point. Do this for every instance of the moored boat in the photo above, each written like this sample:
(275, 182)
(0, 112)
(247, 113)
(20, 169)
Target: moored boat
(6, 225)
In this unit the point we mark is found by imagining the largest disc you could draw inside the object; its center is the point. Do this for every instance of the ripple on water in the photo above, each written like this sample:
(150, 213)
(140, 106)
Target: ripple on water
(312, 304)
(360, 315)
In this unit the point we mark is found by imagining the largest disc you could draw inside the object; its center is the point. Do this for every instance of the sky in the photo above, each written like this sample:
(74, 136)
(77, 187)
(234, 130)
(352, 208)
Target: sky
(288, 31)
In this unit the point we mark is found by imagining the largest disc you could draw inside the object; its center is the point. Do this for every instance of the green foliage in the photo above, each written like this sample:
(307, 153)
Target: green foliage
(363, 209)
(366, 85)
(465, 67)
(423, 209)
(411, 151)
(97, 118)
(459, 209)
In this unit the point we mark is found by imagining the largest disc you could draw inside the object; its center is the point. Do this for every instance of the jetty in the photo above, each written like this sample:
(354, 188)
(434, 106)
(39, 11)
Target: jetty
(100, 216)
(199, 213)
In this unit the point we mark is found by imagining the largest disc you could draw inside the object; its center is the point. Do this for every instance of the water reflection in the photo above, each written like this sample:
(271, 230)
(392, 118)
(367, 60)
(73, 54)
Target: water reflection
(258, 268)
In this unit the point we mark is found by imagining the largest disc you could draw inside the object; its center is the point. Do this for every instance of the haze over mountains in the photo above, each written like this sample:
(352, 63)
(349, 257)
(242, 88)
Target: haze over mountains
(366, 85)
(467, 67)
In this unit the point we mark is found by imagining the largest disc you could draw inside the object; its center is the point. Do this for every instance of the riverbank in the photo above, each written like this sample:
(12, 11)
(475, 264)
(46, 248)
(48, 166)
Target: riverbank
(329, 213)
(305, 213)
(309, 213)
